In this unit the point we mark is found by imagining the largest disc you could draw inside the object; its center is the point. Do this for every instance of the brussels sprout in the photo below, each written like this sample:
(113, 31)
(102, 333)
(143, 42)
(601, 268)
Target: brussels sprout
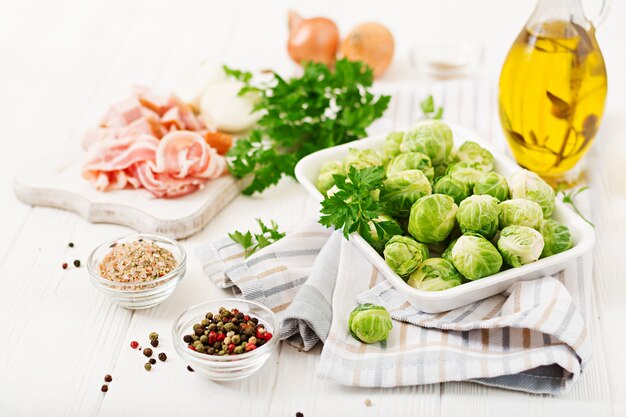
(370, 323)
(435, 274)
(458, 190)
(432, 218)
(392, 145)
(556, 238)
(473, 152)
(360, 159)
(469, 172)
(411, 160)
(520, 245)
(403, 254)
(479, 214)
(475, 257)
(526, 184)
(492, 184)
(325, 178)
(522, 212)
(430, 137)
(447, 254)
(403, 189)
(377, 241)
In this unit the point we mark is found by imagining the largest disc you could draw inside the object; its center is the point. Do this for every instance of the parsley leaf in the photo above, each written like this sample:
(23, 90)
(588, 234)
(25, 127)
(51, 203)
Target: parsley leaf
(429, 110)
(320, 109)
(570, 197)
(253, 242)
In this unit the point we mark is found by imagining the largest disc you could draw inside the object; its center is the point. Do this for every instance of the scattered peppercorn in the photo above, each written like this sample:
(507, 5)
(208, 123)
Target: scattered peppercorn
(104, 388)
(71, 244)
(134, 344)
(153, 336)
(108, 378)
(147, 366)
(299, 414)
(162, 357)
(152, 361)
(190, 369)
(368, 402)
(64, 266)
(76, 263)
(154, 342)
(147, 352)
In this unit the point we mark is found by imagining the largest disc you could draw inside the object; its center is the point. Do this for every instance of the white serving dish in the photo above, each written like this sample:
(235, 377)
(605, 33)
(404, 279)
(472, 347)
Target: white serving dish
(438, 301)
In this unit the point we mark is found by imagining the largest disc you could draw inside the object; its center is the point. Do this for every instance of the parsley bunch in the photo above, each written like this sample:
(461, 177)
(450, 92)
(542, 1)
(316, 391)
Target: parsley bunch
(355, 208)
(252, 242)
(320, 109)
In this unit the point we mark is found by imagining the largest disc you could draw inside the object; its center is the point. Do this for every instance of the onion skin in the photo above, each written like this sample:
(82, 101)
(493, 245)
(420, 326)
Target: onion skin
(315, 39)
(371, 43)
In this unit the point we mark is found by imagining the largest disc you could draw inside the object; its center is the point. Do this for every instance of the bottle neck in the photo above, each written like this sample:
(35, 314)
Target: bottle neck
(557, 11)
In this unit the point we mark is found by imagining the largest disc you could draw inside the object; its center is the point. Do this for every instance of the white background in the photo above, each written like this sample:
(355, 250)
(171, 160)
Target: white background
(63, 62)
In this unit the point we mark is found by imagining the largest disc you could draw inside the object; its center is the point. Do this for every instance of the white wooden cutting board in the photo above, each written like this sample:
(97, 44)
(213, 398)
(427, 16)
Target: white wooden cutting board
(56, 181)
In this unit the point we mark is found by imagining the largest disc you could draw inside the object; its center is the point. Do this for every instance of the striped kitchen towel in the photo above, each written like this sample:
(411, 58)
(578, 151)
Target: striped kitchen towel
(531, 338)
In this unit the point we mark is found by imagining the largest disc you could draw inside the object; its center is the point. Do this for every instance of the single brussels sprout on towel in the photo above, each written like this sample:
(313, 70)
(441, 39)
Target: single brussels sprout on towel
(556, 238)
(526, 184)
(469, 172)
(479, 214)
(435, 274)
(475, 257)
(522, 212)
(403, 254)
(432, 218)
(325, 178)
(377, 241)
(411, 160)
(403, 189)
(458, 190)
(520, 245)
(492, 184)
(473, 152)
(370, 323)
(360, 159)
(392, 145)
(430, 137)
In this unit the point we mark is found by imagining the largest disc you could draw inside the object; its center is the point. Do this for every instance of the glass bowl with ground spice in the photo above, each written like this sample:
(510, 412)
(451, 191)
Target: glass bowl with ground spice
(226, 339)
(138, 271)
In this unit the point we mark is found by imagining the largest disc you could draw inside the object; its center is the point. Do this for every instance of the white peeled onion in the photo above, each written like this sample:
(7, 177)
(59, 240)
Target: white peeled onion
(192, 87)
(222, 109)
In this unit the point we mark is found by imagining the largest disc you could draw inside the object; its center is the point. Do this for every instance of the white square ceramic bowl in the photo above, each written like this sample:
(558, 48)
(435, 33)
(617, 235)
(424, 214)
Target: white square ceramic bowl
(438, 301)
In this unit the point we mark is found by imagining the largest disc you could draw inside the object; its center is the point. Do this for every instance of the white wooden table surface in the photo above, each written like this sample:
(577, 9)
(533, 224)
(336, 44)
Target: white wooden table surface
(63, 62)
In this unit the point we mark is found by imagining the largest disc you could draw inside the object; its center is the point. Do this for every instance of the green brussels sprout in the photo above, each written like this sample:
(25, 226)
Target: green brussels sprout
(378, 241)
(479, 214)
(325, 178)
(432, 218)
(370, 323)
(435, 274)
(475, 257)
(403, 189)
(430, 137)
(526, 184)
(360, 159)
(473, 152)
(392, 145)
(458, 190)
(469, 172)
(492, 184)
(411, 160)
(403, 254)
(556, 238)
(522, 212)
(520, 245)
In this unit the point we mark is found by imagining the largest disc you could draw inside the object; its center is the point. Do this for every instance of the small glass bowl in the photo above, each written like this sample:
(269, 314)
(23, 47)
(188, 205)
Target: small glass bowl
(229, 367)
(133, 295)
(443, 60)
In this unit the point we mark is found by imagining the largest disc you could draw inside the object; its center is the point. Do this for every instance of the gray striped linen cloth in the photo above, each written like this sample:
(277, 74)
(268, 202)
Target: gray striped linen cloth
(531, 338)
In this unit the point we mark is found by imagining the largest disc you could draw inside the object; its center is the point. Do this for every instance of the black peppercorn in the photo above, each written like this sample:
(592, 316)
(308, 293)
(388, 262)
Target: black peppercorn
(152, 361)
(108, 378)
(299, 414)
(147, 352)
(71, 245)
(187, 338)
(162, 357)
(190, 369)
(154, 342)
(76, 263)
(104, 388)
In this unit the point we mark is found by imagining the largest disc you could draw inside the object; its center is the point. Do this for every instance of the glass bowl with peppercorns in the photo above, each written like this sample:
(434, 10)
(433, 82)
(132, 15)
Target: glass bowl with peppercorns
(138, 271)
(226, 339)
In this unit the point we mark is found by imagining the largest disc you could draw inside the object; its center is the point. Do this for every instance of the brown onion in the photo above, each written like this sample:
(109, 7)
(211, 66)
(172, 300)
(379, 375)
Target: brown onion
(315, 39)
(371, 43)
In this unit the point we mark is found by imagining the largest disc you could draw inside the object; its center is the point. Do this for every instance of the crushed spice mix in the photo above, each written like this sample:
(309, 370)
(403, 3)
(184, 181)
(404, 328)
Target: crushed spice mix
(137, 261)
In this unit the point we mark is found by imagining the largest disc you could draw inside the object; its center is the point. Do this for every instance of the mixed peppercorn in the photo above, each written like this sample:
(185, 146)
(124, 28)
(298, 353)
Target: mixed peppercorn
(229, 332)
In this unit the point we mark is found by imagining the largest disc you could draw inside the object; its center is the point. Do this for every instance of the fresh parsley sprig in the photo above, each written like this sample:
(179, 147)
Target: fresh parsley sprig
(252, 242)
(570, 198)
(429, 110)
(320, 109)
(354, 207)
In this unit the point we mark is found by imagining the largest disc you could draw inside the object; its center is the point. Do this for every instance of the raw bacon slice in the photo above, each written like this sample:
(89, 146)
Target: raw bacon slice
(183, 153)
